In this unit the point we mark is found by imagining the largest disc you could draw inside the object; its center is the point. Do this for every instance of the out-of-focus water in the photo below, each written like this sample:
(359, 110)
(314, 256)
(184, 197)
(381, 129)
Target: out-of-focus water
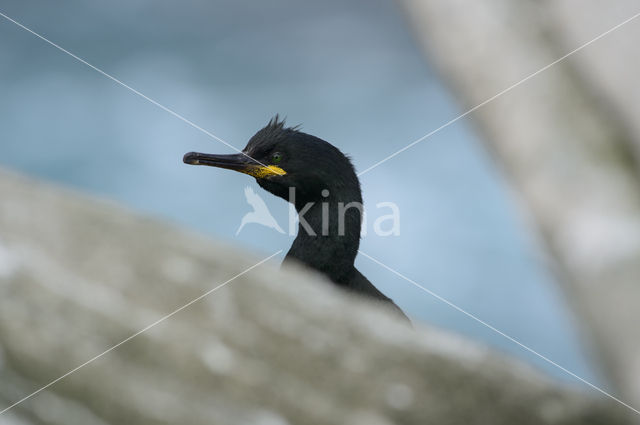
(349, 72)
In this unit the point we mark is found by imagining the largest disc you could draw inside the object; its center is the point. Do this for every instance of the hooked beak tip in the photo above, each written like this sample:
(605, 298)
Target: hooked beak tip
(190, 158)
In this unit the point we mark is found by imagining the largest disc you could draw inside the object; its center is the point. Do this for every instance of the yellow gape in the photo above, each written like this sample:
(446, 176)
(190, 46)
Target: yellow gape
(262, 171)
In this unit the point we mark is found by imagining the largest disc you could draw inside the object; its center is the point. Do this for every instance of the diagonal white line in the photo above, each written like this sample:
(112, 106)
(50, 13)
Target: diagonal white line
(164, 108)
(129, 338)
(494, 97)
(482, 322)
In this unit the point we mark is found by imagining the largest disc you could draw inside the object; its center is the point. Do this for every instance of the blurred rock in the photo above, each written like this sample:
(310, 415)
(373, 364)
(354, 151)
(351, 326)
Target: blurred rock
(271, 347)
(568, 138)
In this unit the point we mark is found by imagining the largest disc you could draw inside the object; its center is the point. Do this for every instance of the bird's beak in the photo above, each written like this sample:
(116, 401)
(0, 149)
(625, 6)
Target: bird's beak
(237, 162)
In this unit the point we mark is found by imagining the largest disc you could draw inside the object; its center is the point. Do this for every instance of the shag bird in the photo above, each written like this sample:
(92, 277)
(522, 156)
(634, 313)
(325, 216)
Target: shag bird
(321, 182)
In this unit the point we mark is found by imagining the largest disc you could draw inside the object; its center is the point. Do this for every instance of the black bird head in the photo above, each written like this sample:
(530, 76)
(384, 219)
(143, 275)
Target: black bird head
(284, 158)
(281, 157)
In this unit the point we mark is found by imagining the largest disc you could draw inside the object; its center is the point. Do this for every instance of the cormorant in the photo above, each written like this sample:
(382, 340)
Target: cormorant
(322, 184)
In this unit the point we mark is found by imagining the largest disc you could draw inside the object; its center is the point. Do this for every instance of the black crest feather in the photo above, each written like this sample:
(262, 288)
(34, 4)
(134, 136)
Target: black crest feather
(275, 130)
(277, 125)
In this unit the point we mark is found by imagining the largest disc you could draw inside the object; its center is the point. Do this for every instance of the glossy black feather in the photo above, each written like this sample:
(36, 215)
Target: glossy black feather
(313, 166)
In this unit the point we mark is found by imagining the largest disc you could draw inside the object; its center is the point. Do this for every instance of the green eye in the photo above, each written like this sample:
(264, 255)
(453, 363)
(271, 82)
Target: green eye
(276, 157)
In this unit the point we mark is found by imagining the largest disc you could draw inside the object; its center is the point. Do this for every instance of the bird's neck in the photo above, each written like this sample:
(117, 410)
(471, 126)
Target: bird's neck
(329, 234)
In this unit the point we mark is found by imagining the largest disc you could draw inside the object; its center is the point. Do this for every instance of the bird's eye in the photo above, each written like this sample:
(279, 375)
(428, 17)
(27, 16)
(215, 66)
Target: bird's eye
(276, 157)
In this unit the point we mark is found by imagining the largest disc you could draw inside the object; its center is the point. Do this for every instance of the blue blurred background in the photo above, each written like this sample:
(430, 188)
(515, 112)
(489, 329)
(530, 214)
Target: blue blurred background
(350, 73)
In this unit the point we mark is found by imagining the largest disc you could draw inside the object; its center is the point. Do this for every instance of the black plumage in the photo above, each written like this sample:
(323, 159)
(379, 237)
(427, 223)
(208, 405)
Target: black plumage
(322, 183)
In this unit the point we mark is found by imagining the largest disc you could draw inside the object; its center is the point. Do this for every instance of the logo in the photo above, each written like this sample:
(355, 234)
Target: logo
(260, 214)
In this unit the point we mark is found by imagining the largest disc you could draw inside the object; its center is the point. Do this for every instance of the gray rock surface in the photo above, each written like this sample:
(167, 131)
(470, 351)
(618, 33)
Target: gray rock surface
(568, 139)
(271, 347)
